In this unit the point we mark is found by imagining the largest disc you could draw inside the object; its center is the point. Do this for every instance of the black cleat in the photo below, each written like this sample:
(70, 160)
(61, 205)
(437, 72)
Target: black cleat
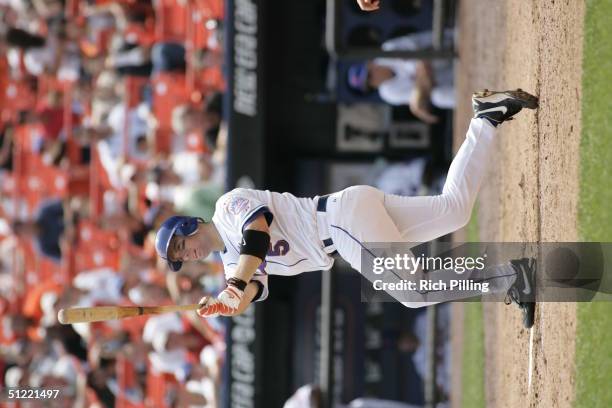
(499, 106)
(523, 291)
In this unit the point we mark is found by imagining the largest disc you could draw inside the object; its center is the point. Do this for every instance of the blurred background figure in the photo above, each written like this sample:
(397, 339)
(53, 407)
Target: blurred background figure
(416, 83)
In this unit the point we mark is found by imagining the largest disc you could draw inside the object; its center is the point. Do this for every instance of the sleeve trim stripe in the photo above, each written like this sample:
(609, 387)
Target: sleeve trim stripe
(255, 212)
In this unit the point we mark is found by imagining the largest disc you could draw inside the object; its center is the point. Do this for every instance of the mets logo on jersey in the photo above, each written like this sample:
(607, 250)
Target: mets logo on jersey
(238, 205)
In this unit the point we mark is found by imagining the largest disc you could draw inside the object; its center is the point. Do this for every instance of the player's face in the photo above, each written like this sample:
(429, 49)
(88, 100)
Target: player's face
(187, 249)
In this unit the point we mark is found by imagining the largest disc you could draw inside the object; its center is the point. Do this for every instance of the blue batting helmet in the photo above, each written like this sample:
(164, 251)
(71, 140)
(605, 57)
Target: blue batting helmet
(176, 225)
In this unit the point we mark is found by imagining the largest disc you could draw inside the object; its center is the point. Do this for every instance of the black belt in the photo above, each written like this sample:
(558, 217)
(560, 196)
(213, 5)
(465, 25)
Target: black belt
(322, 203)
(322, 207)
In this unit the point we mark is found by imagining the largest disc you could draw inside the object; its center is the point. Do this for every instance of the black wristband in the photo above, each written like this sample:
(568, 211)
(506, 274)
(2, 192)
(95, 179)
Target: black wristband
(239, 283)
(260, 290)
(255, 243)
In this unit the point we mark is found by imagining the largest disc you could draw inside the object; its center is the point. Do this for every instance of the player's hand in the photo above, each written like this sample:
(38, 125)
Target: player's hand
(226, 304)
(368, 5)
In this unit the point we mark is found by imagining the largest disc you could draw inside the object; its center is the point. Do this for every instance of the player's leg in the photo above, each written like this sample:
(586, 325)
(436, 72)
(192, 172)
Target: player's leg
(356, 217)
(421, 219)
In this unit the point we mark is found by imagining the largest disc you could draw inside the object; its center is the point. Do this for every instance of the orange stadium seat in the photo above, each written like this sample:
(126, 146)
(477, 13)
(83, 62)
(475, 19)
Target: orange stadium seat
(141, 34)
(211, 79)
(126, 378)
(159, 386)
(30, 260)
(134, 326)
(41, 181)
(195, 143)
(96, 248)
(18, 96)
(211, 9)
(98, 184)
(34, 180)
(133, 90)
(208, 79)
(170, 20)
(169, 91)
(47, 83)
(48, 269)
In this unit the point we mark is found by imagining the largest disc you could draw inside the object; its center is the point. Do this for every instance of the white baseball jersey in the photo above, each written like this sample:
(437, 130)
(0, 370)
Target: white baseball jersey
(295, 246)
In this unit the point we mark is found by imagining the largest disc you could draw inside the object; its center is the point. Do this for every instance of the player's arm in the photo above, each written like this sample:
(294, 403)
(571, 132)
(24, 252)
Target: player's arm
(240, 290)
(255, 245)
(250, 293)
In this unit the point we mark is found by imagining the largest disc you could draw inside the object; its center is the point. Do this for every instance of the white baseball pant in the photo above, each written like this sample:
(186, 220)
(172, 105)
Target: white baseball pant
(362, 214)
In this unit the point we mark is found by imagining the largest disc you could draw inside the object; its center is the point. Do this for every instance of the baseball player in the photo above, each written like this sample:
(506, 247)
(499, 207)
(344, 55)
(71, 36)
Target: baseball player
(258, 233)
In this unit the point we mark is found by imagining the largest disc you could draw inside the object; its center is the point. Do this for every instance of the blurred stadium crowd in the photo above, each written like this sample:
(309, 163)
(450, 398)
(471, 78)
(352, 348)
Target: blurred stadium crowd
(111, 119)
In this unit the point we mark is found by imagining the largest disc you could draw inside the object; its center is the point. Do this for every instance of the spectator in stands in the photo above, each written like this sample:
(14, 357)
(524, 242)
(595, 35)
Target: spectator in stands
(7, 284)
(14, 328)
(184, 183)
(206, 121)
(49, 9)
(103, 354)
(46, 229)
(70, 340)
(16, 37)
(12, 282)
(129, 58)
(51, 115)
(107, 93)
(136, 12)
(6, 149)
(207, 58)
(168, 57)
(416, 83)
(113, 149)
(59, 56)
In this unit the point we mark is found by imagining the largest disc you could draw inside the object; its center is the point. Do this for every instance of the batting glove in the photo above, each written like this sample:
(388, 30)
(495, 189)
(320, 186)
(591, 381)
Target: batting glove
(226, 304)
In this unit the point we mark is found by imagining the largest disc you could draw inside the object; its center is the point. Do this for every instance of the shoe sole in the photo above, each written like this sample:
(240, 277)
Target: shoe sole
(524, 98)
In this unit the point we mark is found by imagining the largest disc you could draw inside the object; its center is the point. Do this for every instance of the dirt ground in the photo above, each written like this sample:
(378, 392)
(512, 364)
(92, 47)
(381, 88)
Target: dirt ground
(531, 192)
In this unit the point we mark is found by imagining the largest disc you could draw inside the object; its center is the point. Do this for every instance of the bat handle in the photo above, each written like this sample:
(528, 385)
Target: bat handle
(167, 309)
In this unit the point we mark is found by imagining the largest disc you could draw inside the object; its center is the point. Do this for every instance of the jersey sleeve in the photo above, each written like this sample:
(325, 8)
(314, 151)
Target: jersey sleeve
(262, 279)
(238, 209)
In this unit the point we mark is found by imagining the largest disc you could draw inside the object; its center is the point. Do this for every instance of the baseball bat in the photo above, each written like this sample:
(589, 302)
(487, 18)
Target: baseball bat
(103, 313)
